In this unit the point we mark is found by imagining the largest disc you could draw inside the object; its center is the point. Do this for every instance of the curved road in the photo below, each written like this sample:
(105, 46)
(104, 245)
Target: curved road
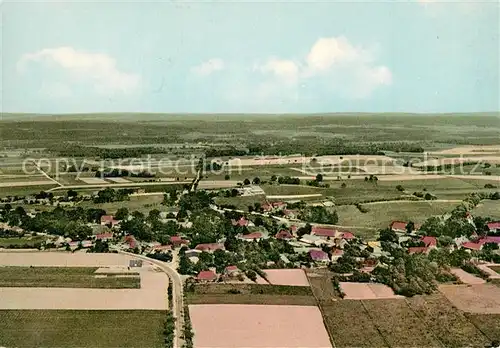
(177, 305)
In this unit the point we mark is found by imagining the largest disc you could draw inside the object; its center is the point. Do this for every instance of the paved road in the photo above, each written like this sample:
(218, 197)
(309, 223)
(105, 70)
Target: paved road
(177, 305)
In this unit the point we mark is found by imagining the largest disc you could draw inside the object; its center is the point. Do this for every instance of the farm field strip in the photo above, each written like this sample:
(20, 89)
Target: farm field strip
(63, 277)
(26, 183)
(87, 328)
(257, 326)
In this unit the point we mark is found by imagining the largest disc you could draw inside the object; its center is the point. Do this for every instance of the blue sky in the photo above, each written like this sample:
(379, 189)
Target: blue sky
(413, 56)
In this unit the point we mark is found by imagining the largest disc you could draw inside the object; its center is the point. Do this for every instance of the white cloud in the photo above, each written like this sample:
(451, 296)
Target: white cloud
(341, 67)
(287, 70)
(208, 67)
(100, 70)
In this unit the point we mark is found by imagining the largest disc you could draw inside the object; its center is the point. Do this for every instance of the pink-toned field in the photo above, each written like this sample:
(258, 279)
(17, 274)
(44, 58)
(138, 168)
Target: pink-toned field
(466, 277)
(220, 326)
(295, 277)
(478, 298)
(366, 291)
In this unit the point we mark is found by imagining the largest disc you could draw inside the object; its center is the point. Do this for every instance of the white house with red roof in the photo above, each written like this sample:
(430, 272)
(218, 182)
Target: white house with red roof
(206, 276)
(209, 247)
(231, 271)
(283, 235)
(178, 241)
(242, 222)
(473, 246)
(324, 232)
(429, 242)
(400, 226)
(251, 236)
(319, 255)
(494, 226)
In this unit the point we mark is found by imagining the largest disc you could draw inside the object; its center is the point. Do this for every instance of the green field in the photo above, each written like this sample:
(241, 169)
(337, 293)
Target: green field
(24, 190)
(381, 214)
(283, 190)
(64, 277)
(31, 241)
(250, 294)
(81, 328)
(240, 202)
(140, 203)
(488, 208)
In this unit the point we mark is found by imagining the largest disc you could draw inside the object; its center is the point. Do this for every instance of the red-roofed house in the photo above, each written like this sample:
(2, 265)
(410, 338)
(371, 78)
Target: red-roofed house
(323, 231)
(241, 222)
(472, 246)
(347, 235)
(429, 241)
(267, 207)
(398, 226)
(278, 205)
(177, 240)
(490, 239)
(318, 256)
(104, 236)
(251, 236)
(206, 276)
(131, 241)
(291, 214)
(337, 254)
(418, 250)
(494, 226)
(231, 271)
(284, 235)
(209, 247)
(109, 220)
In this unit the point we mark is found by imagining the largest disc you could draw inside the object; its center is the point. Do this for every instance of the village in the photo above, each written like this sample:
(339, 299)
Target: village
(210, 243)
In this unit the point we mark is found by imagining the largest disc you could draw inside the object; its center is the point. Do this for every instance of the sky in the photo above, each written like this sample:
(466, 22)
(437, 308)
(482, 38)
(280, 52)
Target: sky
(250, 57)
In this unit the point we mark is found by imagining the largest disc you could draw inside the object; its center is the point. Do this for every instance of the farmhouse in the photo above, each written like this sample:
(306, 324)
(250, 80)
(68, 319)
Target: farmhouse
(251, 236)
(231, 271)
(318, 256)
(494, 226)
(242, 222)
(283, 235)
(206, 276)
(398, 226)
(131, 241)
(337, 254)
(429, 242)
(177, 241)
(324, 232)
(472, 246)
(209, 247)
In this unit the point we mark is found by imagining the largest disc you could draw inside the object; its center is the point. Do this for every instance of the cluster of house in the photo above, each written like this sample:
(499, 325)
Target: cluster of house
(474, 243)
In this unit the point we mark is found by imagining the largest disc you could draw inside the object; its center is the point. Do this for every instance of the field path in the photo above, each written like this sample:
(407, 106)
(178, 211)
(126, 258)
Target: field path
(45, 174)
(177, 305)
